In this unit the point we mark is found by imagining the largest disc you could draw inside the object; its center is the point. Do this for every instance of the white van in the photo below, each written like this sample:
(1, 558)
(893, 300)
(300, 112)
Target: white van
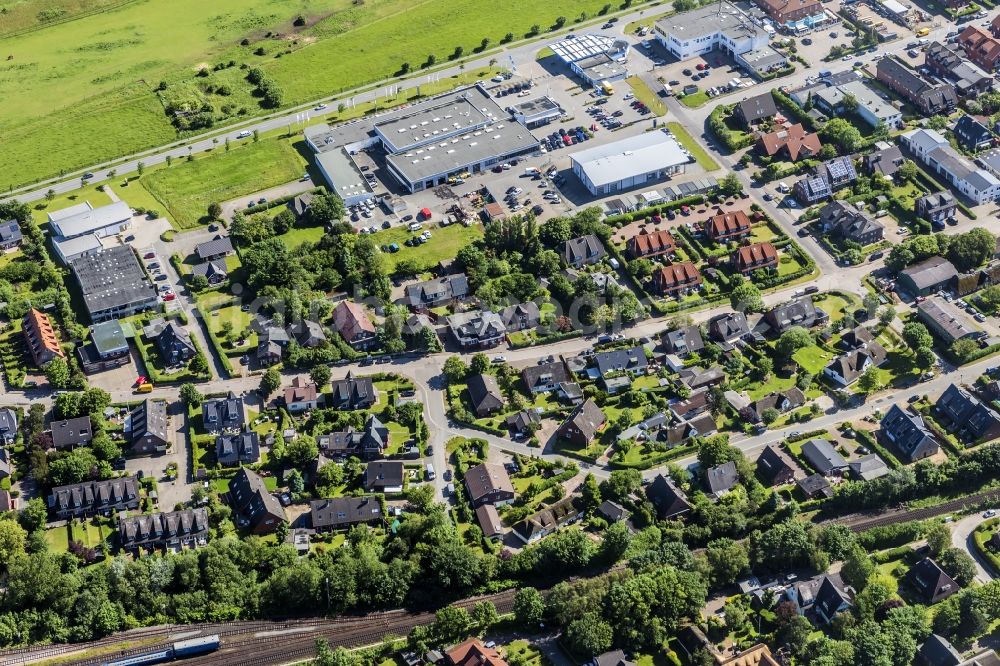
(429, 472)
(244, 134)
(415, 226)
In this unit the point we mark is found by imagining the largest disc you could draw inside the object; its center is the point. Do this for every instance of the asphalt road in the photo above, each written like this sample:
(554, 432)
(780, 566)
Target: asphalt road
(961, 537)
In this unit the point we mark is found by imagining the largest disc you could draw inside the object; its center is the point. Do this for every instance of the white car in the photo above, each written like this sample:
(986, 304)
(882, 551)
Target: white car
(244, 134)
(320, 107)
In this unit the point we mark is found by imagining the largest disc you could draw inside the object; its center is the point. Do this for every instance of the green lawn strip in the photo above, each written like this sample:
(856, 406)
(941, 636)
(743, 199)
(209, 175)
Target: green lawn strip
(187, 188)
(299, 235)
(137, 196)
(217, 317)
(444, 244)
(646, 95)
(695, 100)
(700, 154)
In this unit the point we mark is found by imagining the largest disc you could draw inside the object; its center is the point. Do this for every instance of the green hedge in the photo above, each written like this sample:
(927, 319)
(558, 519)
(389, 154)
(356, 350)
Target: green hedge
(794, 110)
(656, 459)
(730, 139)
(220, 352)
(279, 201)
(625, 218)
(871, 442)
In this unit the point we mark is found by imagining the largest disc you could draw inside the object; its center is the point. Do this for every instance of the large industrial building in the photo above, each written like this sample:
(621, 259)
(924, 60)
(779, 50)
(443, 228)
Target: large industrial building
(78, 230)
(629, 163)
(113, 283)
(424, 143)
(723, 26)
(594, 58)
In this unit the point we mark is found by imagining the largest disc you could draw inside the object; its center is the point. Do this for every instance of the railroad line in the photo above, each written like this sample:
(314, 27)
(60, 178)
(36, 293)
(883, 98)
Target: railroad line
(862, 522)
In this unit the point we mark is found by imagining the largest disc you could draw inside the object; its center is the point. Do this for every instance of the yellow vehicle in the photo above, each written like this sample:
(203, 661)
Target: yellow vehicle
(923, 31)
(144, 388)
(606, 87)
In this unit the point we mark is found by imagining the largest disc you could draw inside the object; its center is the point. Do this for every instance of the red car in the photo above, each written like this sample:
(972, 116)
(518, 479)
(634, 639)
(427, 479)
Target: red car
(141, 380)
(170, 296)
(149, 255)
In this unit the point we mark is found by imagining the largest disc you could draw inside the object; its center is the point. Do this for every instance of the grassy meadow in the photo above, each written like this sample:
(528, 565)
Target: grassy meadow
(85, 90)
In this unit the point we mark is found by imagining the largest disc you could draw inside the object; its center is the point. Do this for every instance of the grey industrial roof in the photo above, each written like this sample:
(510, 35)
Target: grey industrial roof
(930, 272)
(723, 17)
(88, 221)
(949, 318)
(763, 59)
(865, 97)
(438, 117)
(69, 247)
(108, 336)
(64, 213)
(343, 174)
(535, 106)
(578, 47)
(112, 278)
(633, 156)
(601, 67)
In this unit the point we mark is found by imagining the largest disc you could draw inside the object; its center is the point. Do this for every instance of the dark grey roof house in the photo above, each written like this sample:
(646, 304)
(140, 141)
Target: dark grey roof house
(848, 223)
(632, 361)
(71, 432)
(583, 424)
(148, 423)
(937, 651)
(232, 449)
(222, 414)
(353, 392)
(867, 468)
(683, 341)
(831, 600)
(754, 109)
(10, 235)
(545, 377)
(367, 443)
(485, 394)
(176, 529)
(383, 476)
(521, 317)
(972, 134)
(90, 498)
(823, 457)
(331, 514)
(256, 508)
(171, 339)
(728, 327)
(722, 478)
(218, 247)
(797, 312)
(928, 276)
(667, 498)
(908, 432)
(967, 416)
(8, 425)
(437, 292)
(215, 271)
(775, 467)
(583, 250)
(931, 582)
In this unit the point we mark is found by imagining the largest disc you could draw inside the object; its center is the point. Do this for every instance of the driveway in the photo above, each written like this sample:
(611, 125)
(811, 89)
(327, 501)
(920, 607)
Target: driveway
(962, 537)
(286, 190)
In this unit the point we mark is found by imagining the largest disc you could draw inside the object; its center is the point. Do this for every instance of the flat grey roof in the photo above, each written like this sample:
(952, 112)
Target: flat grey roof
(63, 213)
(89, 221)
(69, 247)
(629, 157)
(439, 117)
(112, 278)
(601, 67)
(344, 175)
(535, 106)
(724, 17)
(763, 58)
(108, 336)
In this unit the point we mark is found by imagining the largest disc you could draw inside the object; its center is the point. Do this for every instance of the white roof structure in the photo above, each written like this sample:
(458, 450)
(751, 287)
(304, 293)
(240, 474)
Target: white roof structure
(344, 175)
(896, 7)
(63, 213)
(91, 220)
(634, 156)
(580, 47)
(68, 248)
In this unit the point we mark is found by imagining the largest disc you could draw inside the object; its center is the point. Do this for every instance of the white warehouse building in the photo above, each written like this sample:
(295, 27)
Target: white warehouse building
(629, 163)
(723, 26)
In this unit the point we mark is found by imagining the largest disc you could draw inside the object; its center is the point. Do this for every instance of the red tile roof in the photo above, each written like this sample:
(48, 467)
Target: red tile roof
(350, 320)
(728, 224)
(795, 140)
(684, 274)
(41, 335)
(752, 257)
(651, 244)
(473, 653)
(980, 47)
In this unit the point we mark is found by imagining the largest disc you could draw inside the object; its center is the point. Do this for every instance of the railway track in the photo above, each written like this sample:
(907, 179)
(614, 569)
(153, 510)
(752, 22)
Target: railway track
(862, 522)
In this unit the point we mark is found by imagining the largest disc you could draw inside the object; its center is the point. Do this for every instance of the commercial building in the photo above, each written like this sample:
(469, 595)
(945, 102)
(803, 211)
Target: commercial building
(629, 163)
(794, 15)
(575, 48)
(106, 348)
(867, 104)
(84, 219)
(928, 276)
(723, 26)
(344, 177)
(946, 321)
(536, 112)
(600, 69)
(113, 283)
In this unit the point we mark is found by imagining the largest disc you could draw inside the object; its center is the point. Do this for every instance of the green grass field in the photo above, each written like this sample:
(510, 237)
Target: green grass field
(81, 91)
(693, 147)
(444, 244)
(40, 209)
(187, 188)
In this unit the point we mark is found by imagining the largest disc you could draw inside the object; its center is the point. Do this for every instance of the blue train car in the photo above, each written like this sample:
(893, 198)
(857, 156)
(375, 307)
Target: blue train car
(196, 646)
(157, 657)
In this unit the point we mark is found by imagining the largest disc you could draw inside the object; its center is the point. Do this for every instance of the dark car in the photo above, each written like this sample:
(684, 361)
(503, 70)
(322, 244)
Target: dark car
(687, 72)
(407, 218)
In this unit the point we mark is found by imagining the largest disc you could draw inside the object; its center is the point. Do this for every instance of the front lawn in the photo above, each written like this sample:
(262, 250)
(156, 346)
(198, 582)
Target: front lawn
(296, 236)
(444, 244)
(187, 188)
(695, 100)
(836, 305)
(812, 359)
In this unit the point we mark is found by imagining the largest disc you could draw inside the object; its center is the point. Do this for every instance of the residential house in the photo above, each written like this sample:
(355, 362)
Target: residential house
(8, 425)
(858, 337)
(856, 98)
(353, 324)
(271, 341)
(838, 172)
(780, 401)
(173, 530)
(722, 478)
(633, 361)
(668, 500)
(524, 423)
(301, 396)
(613, 512)
(306, 333)
(811, 189)
(233, 449)
(698, 402)
(10, 235)
(950, 64)
(147, 426)
(584, 250)
(885, 161)
(583, 424)
(217, 248)
(384, 476)
(353, 393)
(367, 443)
(683, 341)
(774, 467)
(255, 507)
(946, 321)
(647, 245)
(807, 594)
(5, 469)
(40, 337)
(793, 143)
(677, 280)
(560, 514)
(750, 258)
(485, 395)
(223, 414)
(472, 652)
(545, 377)
(824, 458)
(488, 483)
(438, 292)
(847, 223)
(106, 347)
(727, 227)
(171, 339)
(214, 272)
(937, 651)
(848, 368)
(929, 97)
(972, 135)
(71, 433)
(342, 512)
(729, 327)
(90, 498)
(815, 486)
(909, 434)
(799, 311)
(300, 204)
(477, 330)
(931, 582)
(931, 275)
(489, 521)
(868, 468)
(751, 111)
(978, 184)
(521, 317)
(980, 47)
(831, 600)
(968, 417)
